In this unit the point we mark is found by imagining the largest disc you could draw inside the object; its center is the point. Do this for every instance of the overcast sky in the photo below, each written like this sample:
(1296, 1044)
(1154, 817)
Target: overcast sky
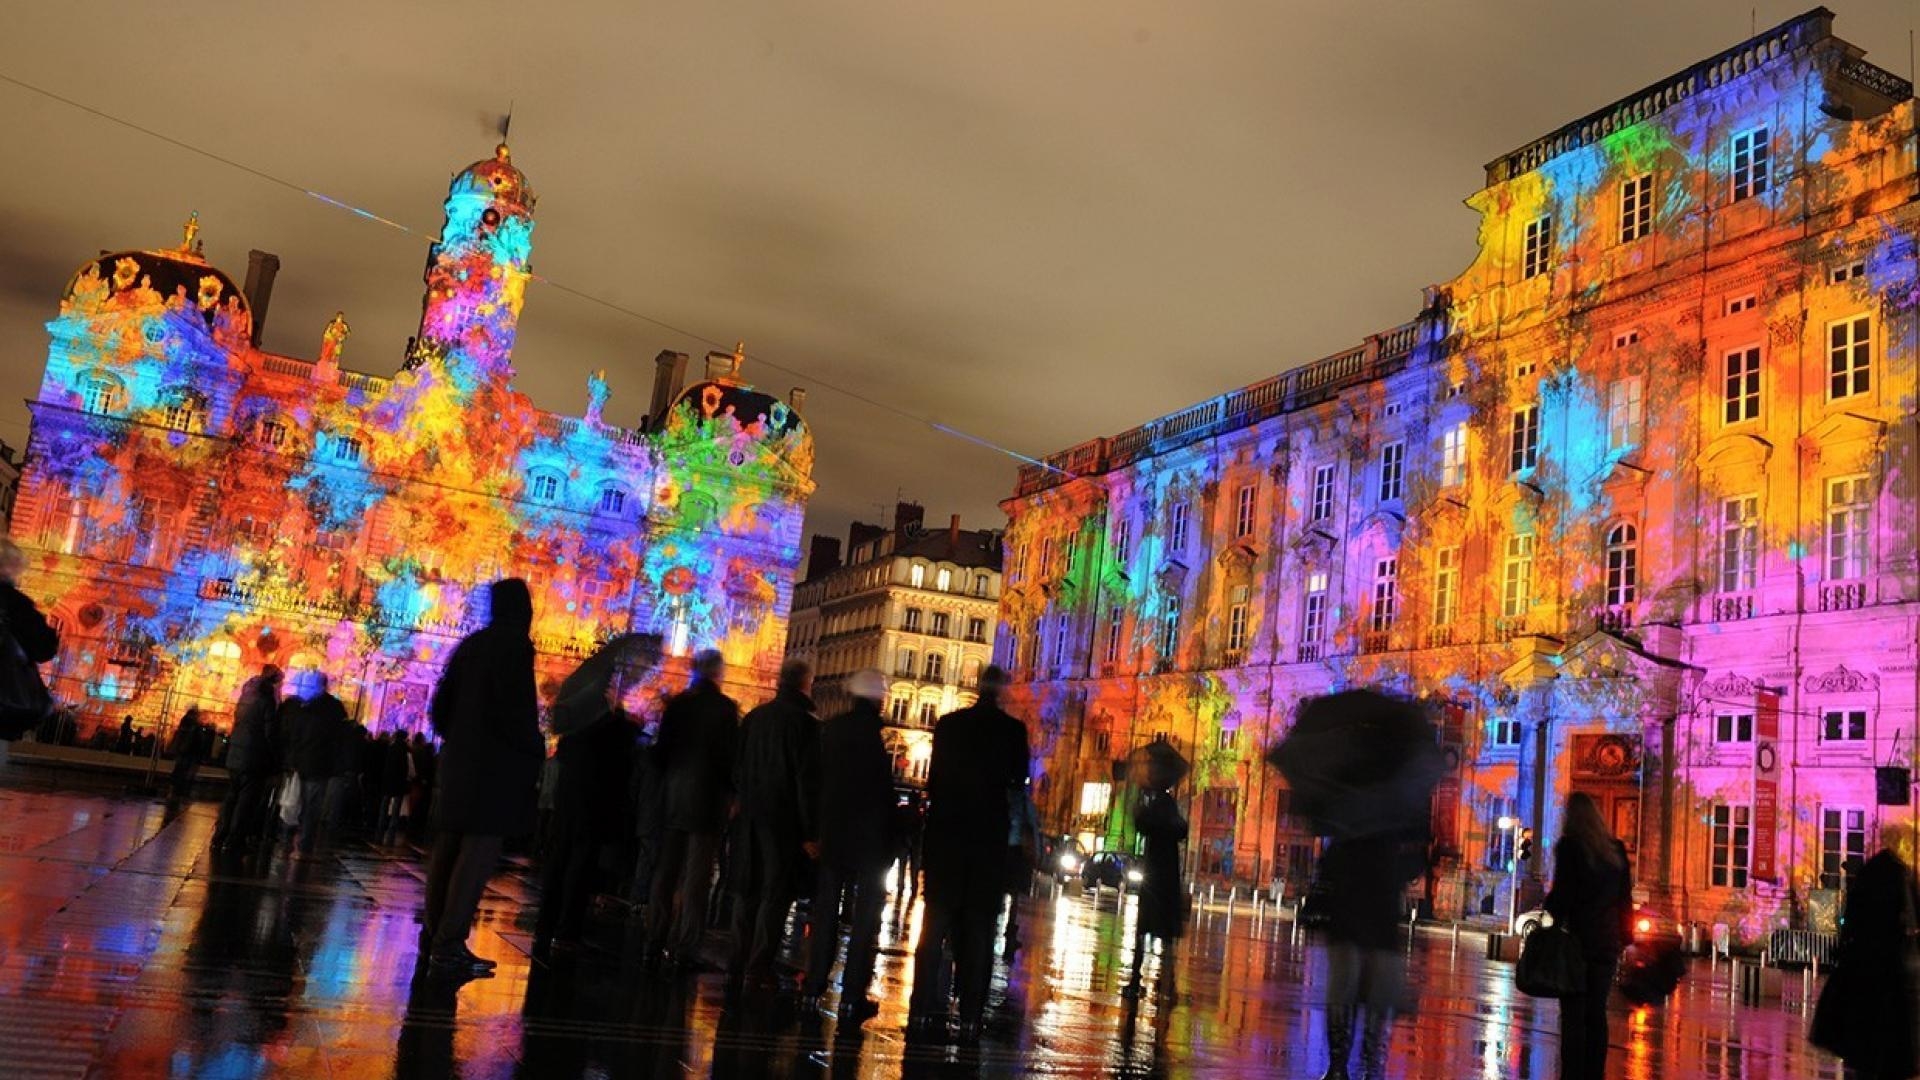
(1036, 222)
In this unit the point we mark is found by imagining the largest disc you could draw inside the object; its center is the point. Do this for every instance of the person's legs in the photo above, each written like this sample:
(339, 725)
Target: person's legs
(313, 811)
(929, 1000)
(554, 898)
(1343, 991)
(223, 826)
(446, 855)
(250, 808)
(478, 858)
(1599, 988)
(863, 937)
(576, 884)
(747, 867)
(696, 882)
(773, 878)
(823, 931)
(1382, 979)
(665, 887)
(973, 954)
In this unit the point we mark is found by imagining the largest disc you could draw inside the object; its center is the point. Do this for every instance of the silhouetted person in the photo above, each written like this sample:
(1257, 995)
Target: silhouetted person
(396, 786)
(124, 743)
(1866, 1009)
(694, 754)
(856, 822)
(776, 775)
(487, 713)
(252, 760)
(1365, 879)
(189, 748)
(979, 762)
(909, 829)
(27, 701)
(590, 811)
(1591, 898)
(319, 735)
(1162, 911)
(420, 797)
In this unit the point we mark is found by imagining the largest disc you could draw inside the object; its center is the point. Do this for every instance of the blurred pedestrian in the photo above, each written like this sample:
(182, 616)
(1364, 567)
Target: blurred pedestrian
(319, 738)
(1023, 848)
(593, 765)
(777, 777)
(980, 760)
(486, 711)
(1866, 1013)
(189, 748)
(1591, 898)
(694, 753)
(1162, 911)
(252, 761)
(27, 640)
(420, 797)
(856, 818)
(123, 743)
(396, 787)
(909, 829)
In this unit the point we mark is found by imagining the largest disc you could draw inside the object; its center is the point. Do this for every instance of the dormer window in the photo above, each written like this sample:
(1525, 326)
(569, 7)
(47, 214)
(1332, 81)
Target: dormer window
(917, 576)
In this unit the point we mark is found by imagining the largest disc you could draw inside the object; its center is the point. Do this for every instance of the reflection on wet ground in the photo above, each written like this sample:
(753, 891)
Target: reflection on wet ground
(128, 949)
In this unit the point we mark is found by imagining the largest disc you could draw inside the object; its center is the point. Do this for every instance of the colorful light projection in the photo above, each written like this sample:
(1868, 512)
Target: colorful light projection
(195, 507)
(1646, 462)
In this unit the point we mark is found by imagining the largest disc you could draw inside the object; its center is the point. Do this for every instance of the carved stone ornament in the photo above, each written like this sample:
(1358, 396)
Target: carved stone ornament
(1785, 330)
(1843, 680)
(1731, 686)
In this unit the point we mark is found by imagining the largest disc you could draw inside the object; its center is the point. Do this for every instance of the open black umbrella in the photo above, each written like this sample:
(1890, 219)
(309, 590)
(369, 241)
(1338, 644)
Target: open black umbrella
(582, 697)
(1165, 766)
(1361, 763)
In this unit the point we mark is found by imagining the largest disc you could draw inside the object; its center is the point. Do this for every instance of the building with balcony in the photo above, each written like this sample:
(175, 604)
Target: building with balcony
(918, 605)
(1630, 502)
(195, 506)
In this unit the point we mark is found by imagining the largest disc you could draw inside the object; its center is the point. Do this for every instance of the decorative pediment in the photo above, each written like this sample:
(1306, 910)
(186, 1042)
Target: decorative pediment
(1607, 655)
(1237, 556)
(1730, 686)
(1386, 524)
(1314, 540)
(1739, 448)
(1856, 436)
(1843, 680)
(1620, 474)
(1171, 575)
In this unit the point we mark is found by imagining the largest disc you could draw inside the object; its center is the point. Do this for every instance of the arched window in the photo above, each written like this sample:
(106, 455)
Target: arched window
(944, 580)
(917, 576)
(1623, 564)
(102, 393)
(543, 485)
(613, 500)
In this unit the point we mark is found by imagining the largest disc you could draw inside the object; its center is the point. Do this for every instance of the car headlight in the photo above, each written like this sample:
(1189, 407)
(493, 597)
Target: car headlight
(1136, 876)
(1068, 862)
(1643, 925)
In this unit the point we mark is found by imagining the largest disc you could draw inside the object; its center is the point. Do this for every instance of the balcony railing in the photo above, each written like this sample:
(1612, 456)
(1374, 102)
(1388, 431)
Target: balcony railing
(1511, 627)
(1308, 652)
(1376, 641)
(1732, 607)
(1439, 637)
(1843, 595)
(1615, 617)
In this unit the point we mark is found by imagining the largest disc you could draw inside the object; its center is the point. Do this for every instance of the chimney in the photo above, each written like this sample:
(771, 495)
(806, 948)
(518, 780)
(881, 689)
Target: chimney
(262, 267)
(796, 398)
(953, 535)
(669, 378)
(861, 533)
(823, 555)
(907, 515)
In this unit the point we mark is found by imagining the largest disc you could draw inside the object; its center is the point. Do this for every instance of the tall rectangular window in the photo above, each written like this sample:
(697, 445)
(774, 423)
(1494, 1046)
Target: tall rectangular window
(1537, 251)
(1315, 623)
(943, 580)
(1843, 842)
(1170, 629)
(1122, 541)
(905, 669)
(1046, 560)
(941, 621)
(936, 666)
(1849, 513)
(1516, 588)
(1386, 595)
(1060, 639)
(1177, 533)
(1625, 412)
(1393, 471)
(1115, 621)
(1636, 208)
(1732, 846)
(1623, 565)
(1843, 726)
(1849, 357)
(1446, 586)
(911, 621)
(1525, 443)
(977, 631)
(1739, 542)
(1751, 164)
(1500, 842)
(1740, 392)
(1320, 508)
(1453, 456)
(1237, 627)
(1243, 511)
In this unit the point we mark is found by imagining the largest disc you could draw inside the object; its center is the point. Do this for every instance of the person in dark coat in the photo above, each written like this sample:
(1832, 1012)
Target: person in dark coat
(18, 615)
(420, 798)
(1592, 898)
(1866, 1013)
(486, 710)
(979, 763)
(777, 776)
(396, 785)
(319, 737)
(694, 756)
(252, 761)
(189, 750)
(1162, 913)
(856, 821)
(590, 811)
(1364, 880)
(123, 744)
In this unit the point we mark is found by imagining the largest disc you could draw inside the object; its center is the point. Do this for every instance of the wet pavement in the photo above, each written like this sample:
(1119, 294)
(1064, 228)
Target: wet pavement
(128, 949)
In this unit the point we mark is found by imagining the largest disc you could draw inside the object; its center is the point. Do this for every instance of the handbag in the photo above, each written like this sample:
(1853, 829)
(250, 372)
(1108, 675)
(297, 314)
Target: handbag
(24, 700)
(1551, 965)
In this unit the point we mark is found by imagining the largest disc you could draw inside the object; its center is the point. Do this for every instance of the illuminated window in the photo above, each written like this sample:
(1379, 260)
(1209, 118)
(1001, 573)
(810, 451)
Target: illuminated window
(979, 584)
(1170, 628)
(1453, 456)
(1386, 595)
(911, 620)
(906, 669)
(1623, 565)
(1850, 357)
(1314, 626)
(929, 712)
(1843, 843)
(1393, 471)
(1845, 272)
(1625, 411)
(1732, 838)
(1455, 389)
(977, 631)
(543, 487)
(1237, 627)
(1743, 302)
(1537, 250)
(1740, 393)
(1636, 208)
(1504, 733)
(1177, 532)
(102, 394)
(1516, 593)
(1243, 511)
(1115, 622)
(1739, 542)
(940, 622)
(272, 432)
(943, 580)
(1733, 729)
(970, 674)
(1525, 443)
(898, 709)
(1320, 508)
(1500, 842)
(917, 574)
(1849, 513)
(1012, 637)
(1750, 160)
(1523, 367)
(185, 411)
(1390, 409)
(1626, 339)
(1060, 639)
(1122, 541)
(1843, 726)
(1446, 585)
(1096, 798)
(936, 666)
(347, 449)
(612, 500)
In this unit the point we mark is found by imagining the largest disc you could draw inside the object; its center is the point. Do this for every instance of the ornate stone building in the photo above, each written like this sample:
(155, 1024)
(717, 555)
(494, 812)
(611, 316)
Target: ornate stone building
(195, 506)
(1631, 502)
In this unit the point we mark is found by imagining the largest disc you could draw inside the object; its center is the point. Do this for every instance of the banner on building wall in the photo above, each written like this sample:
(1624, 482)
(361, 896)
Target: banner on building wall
(1766, 785)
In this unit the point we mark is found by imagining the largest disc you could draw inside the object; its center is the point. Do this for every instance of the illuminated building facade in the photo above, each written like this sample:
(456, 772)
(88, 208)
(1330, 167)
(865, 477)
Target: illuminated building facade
(195, 507)
(918, 605)
(1631, 502)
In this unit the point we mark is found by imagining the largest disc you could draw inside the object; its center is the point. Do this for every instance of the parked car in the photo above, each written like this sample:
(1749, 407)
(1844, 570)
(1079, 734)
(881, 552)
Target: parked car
(1650, 927)
(1062, 857)
(1112, 869)
(1652, 965)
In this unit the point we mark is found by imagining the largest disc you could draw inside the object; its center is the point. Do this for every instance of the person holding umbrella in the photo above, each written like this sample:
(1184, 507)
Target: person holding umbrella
(1362, 767)
(1162, 911)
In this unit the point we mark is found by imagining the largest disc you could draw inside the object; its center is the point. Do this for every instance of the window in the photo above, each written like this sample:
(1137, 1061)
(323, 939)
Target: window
(1122, 541)
(911, 620)
(102, 394)
(1750, 175)
(1849, 357)
(940, 620)
(1740, 392)
(1067, 552)
(1455, 389)
(1525, 443)
(1060, 639)
(1229, 738)
(1743, 302)
(1739, 542)
(929, 712)
(1390, 409)
(1845, 272)
(1625, 411)
(1503, 733)
(1237, 627)
(970, 674)
(1636, 208)
(898, 709)
(1500, 842)
(1732, 839)
(1446, 585)
(346, 450)
(272, 432)
(1096, 798)
(906, 669)
(1386, 595)
(1517, 587)
(936, 666)
(979, 584)
(1013, 648)
(1623, 565)
(613, 500)
(1626, 339)
(1321, 506)
(1243, 511)
(1453, 456)
(1843, 726)
(1114, 622)
(1849, 506)
(1538, 248)
(1733, 729)
(1314, 626)
(184, 411)
(917, 574)
(1170, 628)
(1177, 533)
(977, 630)
(1393, 471)
(1843, 843)
(943, 580)
(1524, 367)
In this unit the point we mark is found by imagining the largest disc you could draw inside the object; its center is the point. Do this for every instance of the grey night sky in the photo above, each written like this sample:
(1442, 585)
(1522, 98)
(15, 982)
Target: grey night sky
(1037, 222)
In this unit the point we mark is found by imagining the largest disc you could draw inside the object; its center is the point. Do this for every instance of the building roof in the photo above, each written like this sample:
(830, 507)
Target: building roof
(497, 177)
(181, 272)
(975, 549)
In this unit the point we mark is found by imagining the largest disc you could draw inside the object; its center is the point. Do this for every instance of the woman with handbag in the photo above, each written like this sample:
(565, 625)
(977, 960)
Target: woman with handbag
(1591, 899)
(26, 643)
(1866, 1014)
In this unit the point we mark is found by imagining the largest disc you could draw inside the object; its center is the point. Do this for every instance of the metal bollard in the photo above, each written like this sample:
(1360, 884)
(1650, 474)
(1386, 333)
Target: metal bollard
(1233, 893)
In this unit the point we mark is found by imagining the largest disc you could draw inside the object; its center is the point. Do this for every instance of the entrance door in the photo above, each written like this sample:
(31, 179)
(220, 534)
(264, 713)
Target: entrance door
(1607, 768)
